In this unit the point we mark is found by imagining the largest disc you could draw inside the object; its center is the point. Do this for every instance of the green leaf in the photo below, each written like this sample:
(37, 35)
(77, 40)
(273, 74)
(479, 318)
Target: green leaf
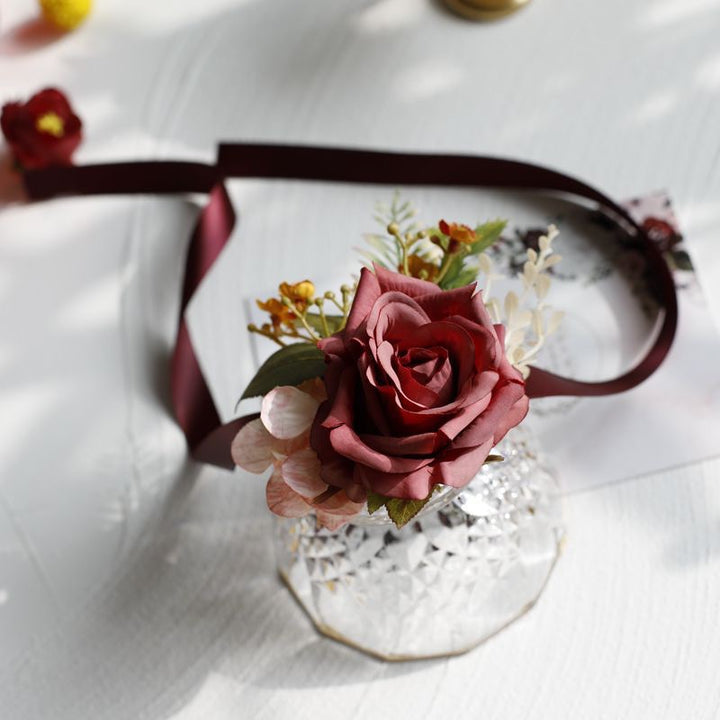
(467, 276)
(334, 322)
(449, 280)
(488, 233)
(401, 512)
(288, 366)
(375, 501)
(494, 459)
(457, 274)
(682, 260)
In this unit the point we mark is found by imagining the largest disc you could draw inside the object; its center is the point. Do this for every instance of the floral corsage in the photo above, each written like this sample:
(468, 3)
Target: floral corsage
(401, 385)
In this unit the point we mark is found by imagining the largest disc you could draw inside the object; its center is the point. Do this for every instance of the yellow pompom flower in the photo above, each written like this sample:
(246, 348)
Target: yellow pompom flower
(66, 14)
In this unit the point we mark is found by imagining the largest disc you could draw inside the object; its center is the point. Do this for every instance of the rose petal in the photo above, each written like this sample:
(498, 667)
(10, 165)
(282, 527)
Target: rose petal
(288, 412)
(393, 316)
(341, 473)
(385, 357)
(456, 339)
(332, 345)
(458, 467)
(252, 447)
(439, 306)
(467, 412)
(488, 349)
(341, 410)
(373, 405)
(334, 470)
(421, 444)
(500, 332)
(347, 442)
(390, 281)
(513, 417)
(460, 346)
(410, 486)
(508, 408)
(367, 292)
(473, 399)
(426, 376)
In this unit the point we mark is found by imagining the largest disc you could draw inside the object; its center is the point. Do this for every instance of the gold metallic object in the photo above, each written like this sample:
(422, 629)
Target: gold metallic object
(485, 9)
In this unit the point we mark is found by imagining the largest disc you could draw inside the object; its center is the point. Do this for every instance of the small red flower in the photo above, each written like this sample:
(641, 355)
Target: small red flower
(662, 233)
(44, 131)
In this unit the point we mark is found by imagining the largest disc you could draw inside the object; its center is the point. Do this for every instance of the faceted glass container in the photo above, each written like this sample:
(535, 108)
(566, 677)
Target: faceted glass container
(469, 564)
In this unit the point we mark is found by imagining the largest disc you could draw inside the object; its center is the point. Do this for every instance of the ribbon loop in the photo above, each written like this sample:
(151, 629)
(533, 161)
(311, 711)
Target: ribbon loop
(208, 438)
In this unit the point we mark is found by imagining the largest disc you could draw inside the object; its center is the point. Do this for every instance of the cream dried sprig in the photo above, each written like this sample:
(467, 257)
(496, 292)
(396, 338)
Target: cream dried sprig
(528, 320)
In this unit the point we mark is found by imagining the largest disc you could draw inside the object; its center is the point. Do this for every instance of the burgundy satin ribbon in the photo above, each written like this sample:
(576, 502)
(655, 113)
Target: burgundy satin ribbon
(208, 438)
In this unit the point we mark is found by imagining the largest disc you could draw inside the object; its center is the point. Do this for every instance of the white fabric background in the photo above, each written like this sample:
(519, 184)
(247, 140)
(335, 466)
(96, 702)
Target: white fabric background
(133, 585)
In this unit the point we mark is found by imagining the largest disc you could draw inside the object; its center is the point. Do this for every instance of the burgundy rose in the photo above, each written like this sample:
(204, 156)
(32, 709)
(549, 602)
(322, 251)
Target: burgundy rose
(44, 131)
(419, 389)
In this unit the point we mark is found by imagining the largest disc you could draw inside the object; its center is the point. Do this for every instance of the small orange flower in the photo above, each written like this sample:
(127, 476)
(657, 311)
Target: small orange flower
(300, 293)
(459, 233)
(421, 268)
(279, 313)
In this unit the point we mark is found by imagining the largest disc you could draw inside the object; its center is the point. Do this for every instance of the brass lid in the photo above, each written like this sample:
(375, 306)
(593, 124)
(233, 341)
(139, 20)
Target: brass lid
(485, 9)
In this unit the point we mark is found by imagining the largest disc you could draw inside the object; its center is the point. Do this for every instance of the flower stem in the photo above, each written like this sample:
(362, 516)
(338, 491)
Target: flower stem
(267, 334)
(323, 319)
(444, 267)
(301, 317)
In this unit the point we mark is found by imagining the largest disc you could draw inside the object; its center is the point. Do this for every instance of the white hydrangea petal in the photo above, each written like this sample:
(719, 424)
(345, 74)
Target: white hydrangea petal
(301, 471)
(288, 412)
(252, 447)
(283, 500)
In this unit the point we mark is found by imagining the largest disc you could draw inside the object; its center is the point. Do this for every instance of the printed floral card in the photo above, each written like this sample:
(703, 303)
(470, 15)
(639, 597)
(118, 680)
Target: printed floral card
(670, 420)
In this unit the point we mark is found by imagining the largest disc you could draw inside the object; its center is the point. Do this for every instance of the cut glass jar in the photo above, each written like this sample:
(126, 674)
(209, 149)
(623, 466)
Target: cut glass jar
(469, 564)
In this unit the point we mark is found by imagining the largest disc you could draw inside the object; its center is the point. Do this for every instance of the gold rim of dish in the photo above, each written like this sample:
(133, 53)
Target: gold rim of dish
(390, 657)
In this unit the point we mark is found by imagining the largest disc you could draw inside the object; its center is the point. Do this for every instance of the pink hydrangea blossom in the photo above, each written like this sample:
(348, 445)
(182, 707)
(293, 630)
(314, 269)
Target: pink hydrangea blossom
(280, 439)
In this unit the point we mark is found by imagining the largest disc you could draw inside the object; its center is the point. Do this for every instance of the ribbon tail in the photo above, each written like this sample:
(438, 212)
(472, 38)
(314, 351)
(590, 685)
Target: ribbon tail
(208, 439)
